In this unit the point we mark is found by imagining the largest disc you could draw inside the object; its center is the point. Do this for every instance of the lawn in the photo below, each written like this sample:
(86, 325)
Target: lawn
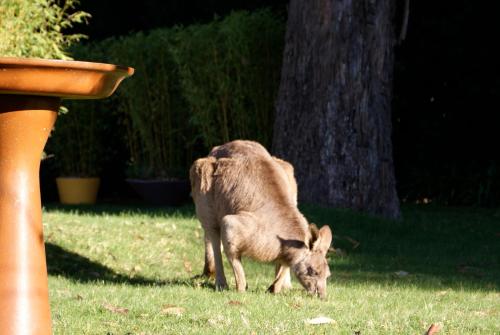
(131, 270)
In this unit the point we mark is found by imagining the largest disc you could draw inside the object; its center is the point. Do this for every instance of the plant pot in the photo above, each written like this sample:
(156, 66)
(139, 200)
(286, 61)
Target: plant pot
(76, 190)
(164, 192)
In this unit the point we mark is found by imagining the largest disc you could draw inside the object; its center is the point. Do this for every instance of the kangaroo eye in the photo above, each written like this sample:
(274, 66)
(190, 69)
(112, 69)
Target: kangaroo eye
(310, 271)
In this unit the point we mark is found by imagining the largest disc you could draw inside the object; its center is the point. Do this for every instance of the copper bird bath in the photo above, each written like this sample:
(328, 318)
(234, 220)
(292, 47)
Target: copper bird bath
(30, 94)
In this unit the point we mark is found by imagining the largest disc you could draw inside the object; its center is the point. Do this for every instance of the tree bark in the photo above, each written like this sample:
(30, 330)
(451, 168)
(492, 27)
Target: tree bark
(333, 112)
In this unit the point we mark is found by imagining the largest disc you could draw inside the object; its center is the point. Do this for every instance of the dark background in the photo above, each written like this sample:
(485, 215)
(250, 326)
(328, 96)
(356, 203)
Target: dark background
(446, 115)
(445, 110)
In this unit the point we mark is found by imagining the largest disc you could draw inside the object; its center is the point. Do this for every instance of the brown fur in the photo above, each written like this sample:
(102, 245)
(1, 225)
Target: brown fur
(247, 149)
(247, 199)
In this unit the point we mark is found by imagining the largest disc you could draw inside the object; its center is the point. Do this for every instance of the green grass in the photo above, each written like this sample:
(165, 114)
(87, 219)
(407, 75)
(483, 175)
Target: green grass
(116, 270)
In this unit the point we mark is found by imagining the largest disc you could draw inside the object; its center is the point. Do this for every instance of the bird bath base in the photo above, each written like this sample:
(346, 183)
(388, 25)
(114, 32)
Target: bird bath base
(30, 95)
(25, 124)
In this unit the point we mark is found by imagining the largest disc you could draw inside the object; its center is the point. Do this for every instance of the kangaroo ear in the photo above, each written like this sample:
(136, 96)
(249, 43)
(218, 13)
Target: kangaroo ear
(313, 229)
(322, 244)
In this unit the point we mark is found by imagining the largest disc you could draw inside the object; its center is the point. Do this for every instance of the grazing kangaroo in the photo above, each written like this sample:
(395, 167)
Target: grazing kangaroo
(242, 148)
(246, 198)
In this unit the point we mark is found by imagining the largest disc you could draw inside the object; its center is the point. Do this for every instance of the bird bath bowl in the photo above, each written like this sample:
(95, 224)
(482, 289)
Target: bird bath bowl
(30, 94)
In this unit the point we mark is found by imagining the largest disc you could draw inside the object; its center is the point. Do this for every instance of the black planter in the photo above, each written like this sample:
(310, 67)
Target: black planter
(162, 192)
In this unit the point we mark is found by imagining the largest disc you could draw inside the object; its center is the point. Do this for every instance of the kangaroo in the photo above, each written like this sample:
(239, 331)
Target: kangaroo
(243, 148)
(243, 198)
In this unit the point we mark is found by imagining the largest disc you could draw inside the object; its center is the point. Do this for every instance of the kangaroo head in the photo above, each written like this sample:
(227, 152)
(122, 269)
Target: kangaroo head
(312, 270)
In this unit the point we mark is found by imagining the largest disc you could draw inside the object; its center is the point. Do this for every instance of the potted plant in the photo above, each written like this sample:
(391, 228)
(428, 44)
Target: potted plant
(155, 169)
(154, 119)
(75, 149)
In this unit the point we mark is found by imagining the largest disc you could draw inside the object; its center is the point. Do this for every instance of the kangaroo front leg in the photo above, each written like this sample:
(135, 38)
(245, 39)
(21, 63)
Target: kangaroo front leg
(287, 280)
(239, 274)
(282, 280)
(220, 278)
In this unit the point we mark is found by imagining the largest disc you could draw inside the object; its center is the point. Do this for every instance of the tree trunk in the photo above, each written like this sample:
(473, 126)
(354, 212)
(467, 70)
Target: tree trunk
(333, 112)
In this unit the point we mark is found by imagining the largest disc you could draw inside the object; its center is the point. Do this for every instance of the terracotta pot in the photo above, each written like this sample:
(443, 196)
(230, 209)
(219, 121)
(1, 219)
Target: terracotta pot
(77, 190)
(162, 192)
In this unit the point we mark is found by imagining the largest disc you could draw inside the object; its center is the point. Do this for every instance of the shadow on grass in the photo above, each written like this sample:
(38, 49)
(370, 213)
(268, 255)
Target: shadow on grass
(431, 248)
(186, 210)
(62, 262)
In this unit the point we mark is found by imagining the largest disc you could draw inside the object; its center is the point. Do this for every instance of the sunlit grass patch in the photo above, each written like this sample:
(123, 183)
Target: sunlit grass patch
(115, 270)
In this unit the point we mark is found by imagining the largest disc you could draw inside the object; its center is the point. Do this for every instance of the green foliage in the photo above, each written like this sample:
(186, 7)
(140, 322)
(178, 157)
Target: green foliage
(153, 112)
(229, 73)
(76, 140)
(35, 28)
(193, 87)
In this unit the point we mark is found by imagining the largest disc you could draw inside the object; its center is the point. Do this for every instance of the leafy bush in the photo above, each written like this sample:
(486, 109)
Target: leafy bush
(36, 28)
(75, 140)
(229, 72)
(153, 111)
(193, 87)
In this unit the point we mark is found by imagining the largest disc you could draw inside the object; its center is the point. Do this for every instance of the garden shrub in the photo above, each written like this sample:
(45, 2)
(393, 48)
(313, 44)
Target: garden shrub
(193, 87)
(229, 72)
(36, 28)
(75, 140)
(153, 112)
